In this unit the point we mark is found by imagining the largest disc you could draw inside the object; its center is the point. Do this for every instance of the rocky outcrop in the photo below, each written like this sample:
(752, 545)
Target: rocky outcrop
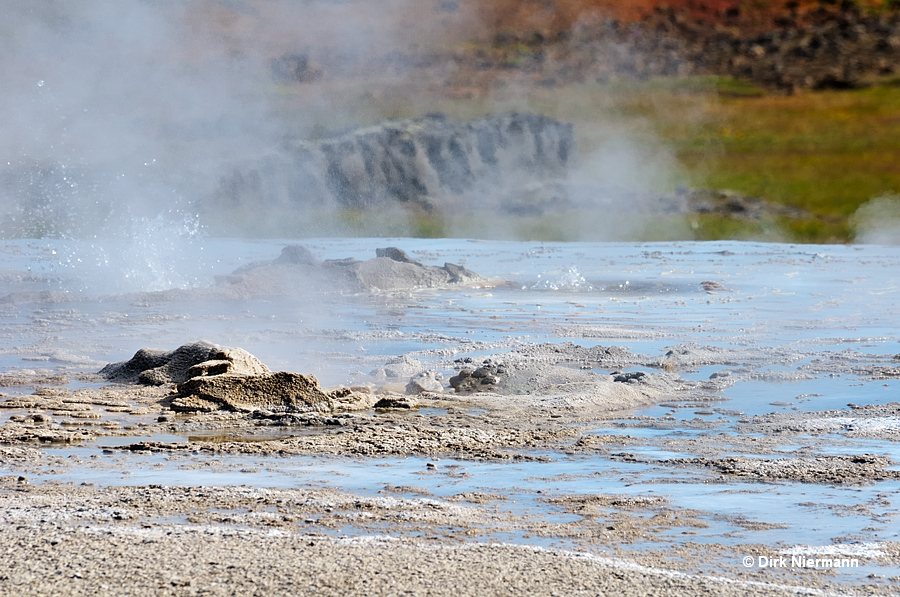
(832, 49)
(417, 161)
(198, 359)
(207, 377)
(391, 270)
(485, 378)
(511, 164)
(282, 391)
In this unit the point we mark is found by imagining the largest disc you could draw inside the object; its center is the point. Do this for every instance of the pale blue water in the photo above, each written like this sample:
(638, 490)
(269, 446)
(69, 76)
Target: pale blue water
(818, 297)
(646, 296)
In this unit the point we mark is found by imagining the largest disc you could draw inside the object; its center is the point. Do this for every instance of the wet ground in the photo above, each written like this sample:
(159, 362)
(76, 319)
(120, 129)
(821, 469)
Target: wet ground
(766, 434)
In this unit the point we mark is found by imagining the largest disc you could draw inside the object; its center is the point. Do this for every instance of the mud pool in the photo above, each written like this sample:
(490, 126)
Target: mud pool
(776, 340)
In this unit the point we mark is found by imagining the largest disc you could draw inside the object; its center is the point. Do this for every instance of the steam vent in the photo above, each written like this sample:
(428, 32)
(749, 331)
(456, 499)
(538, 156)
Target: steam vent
(421, 161)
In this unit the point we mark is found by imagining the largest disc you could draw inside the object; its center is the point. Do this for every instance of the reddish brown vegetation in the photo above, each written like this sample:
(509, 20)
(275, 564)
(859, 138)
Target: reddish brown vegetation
(792, 45)
(551, 17)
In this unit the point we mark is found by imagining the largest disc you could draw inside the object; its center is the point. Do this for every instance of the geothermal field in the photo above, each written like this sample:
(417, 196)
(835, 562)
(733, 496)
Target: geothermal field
(353, 299)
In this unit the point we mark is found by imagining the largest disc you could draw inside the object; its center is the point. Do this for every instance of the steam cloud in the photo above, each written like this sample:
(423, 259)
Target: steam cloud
(131, 108)
(115, 112)
(877, 221)
(124, 116)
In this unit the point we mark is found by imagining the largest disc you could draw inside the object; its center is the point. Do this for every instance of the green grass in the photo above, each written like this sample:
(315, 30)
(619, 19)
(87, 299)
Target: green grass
(825, 152)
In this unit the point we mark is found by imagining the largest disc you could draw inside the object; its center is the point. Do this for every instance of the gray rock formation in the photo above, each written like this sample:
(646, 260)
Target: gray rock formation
(734, 205)
(417, 161)
(484, 379)
(208, 377)
(160, 367)
(396, 254)
(297, 270)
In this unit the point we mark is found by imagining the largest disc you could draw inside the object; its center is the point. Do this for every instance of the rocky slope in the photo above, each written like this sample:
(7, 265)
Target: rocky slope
(412, 161)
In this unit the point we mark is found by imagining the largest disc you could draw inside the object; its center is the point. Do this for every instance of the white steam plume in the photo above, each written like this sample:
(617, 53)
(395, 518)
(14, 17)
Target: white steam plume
(877, 222)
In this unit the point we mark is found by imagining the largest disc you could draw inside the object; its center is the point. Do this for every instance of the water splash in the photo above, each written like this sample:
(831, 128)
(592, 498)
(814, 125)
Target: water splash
(570, 280)
(146, 254)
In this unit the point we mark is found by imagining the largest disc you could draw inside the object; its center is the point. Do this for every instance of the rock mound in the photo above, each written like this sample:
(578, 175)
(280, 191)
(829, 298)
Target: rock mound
(280, 391)
(545, 371)
(160, 367)
(392, 269)
(208, 377)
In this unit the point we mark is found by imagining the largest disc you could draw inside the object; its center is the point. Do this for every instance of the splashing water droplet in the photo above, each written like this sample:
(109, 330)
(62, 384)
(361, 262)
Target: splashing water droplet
(569, 281)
